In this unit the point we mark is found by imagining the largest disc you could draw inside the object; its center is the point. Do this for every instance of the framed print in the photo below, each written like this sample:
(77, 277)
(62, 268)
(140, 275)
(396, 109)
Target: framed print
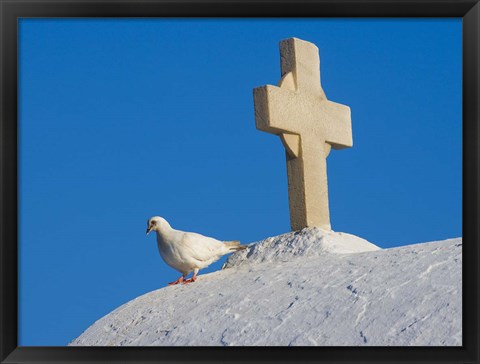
(212, 125)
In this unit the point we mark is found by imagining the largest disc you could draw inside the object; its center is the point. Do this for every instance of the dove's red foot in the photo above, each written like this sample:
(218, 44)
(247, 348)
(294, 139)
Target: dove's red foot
(190, 280)
(178, 281)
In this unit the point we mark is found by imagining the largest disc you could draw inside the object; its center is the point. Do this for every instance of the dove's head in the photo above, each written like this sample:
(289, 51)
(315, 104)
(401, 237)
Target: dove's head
(157, 224)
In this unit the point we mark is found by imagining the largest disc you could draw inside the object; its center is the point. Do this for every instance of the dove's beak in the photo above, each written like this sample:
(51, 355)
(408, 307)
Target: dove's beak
(148, 230)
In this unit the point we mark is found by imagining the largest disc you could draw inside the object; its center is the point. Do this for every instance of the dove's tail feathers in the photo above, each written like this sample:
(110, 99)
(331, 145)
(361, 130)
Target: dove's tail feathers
(234, 245)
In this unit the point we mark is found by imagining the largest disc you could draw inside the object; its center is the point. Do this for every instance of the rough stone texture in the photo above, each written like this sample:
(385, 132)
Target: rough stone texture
(309, 126)
(407, 296)
(307, 242)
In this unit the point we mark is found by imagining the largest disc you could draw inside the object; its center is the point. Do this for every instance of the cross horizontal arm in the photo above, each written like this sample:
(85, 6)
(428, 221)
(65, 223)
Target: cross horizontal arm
(275, 110)
(337, 124)
(280, 111)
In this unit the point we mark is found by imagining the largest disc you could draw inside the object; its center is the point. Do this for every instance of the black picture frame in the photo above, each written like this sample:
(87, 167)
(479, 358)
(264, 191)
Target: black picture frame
(11, 10)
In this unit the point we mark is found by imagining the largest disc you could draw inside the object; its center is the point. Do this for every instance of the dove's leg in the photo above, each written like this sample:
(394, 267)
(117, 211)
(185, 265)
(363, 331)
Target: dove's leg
(194, 277)
(179, 280)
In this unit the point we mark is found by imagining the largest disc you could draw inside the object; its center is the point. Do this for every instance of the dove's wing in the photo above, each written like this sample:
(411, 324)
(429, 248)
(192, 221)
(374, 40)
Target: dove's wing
(201, 247)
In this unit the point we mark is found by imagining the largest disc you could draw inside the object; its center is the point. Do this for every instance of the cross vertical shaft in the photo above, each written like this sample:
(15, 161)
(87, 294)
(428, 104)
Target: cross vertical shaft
(314, 210)
(309, 126)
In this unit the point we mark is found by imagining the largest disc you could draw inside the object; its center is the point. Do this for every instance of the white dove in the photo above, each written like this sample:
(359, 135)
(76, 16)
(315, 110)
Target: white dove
(187, 252)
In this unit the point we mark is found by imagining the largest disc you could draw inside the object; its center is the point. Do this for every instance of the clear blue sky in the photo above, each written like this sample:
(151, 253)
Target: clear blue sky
(123, 119)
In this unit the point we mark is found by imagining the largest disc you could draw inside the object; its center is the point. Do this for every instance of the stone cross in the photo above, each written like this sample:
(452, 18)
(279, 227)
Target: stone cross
(309, 126)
